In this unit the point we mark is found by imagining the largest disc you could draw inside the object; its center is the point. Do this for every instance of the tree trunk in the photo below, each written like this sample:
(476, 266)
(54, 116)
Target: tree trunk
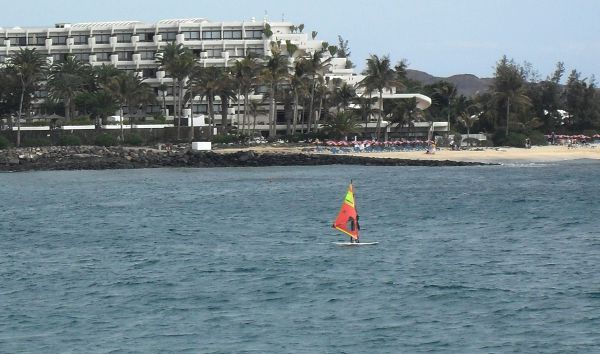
(211, 116)
(19, 118)
(175, 106)
(318, 115)
(380, 119)
(288, 109)
(179, 107)
(507, 113)
(367, 113)
(295, 115)
(310, 105)
(224, 108)
(245, 118)
(272, 118)
(67, 109)
(239, 94)
(191, 115)
(122, 118)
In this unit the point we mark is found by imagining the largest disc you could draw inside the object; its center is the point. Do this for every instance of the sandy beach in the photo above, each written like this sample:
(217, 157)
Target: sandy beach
(552, 153)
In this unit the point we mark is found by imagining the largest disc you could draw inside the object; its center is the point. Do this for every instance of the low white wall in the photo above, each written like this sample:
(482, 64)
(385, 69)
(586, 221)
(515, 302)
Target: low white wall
(202, 146)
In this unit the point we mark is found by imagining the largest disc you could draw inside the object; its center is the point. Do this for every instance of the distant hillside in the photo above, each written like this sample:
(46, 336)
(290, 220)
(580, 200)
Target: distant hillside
(466, 84)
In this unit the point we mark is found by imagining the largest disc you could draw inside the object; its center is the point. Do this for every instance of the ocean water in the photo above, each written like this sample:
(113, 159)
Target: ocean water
(491, 259)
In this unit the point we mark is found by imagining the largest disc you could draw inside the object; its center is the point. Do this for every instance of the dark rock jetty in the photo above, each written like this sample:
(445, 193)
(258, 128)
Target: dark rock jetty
(102, 158)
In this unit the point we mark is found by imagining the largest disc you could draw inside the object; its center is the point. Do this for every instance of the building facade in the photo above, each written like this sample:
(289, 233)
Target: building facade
(133, 46)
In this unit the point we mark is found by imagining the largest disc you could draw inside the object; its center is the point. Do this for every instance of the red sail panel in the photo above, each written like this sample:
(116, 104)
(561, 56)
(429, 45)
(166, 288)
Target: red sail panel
(347, 219)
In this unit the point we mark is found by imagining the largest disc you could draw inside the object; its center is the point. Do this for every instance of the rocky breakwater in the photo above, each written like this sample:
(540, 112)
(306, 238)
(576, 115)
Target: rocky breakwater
(101, 158)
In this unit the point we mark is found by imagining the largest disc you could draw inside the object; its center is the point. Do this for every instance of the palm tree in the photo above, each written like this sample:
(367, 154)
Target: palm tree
(365, 108)
(298, 85)
(179, 62)
(103, 74)
(66, 80)
(444, 94)
(509, 86)
(343, 124)
(315, 69)
(29, 66)
(245, 72)
(254, 108)
(129, 91)
(206, 82)
(378, 76)
(274, 73)
(468, 120)
(163, 92)
(343, 96)
(226, 92)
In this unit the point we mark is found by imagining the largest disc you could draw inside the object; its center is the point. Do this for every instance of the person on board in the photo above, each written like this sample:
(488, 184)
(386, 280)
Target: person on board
(352, 226)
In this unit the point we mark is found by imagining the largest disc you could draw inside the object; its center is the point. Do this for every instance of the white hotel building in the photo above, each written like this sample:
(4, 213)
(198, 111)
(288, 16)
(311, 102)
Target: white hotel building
(132, 46)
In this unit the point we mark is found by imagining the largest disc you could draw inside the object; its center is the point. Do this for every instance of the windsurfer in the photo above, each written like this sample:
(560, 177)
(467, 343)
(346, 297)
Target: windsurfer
(353, 226)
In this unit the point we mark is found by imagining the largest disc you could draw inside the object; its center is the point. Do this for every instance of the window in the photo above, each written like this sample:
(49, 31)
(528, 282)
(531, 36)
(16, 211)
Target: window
(200, 108)
(80, 39)
(18, 41)
(146, 37)
(125, 56)
(57, 58)
(147, 55)
(123, 37)
(233, 52)
(59, 40)
(214, 53)
(208, 35)
(169, 36)
(254, 34)
(102, 39)
(168, 91)
(232, 34)
(103, 56)
(191, 36)
(37, 39)
(255, 50)
(148, 73)
(85, 57)
(152, 108)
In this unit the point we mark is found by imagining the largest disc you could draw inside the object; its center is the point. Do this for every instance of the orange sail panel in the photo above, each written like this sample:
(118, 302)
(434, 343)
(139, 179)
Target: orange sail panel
(347, 219)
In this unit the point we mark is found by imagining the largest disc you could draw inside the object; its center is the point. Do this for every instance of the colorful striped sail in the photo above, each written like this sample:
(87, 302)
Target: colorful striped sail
(347, 219)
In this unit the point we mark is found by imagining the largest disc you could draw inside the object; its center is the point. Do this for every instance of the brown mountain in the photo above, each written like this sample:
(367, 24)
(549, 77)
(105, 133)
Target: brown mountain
(466, 84)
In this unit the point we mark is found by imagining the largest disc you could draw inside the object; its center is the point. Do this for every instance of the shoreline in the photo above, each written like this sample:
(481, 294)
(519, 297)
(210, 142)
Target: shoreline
(496, 155)
(101, 158)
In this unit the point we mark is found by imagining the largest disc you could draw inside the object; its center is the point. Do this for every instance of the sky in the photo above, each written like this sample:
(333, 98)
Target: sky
(441, 37)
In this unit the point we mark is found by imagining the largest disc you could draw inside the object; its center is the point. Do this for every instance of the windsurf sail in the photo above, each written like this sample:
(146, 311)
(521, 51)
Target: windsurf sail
(347, 219)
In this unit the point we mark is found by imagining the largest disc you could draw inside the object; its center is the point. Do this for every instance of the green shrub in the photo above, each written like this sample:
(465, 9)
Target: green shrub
(4, 143)
(224, 139)
(69, 140)
(105, 140)
(83, 120)
(36, 142)
(159, 118)
(134, 139)
(538, 138)
(515, 139)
